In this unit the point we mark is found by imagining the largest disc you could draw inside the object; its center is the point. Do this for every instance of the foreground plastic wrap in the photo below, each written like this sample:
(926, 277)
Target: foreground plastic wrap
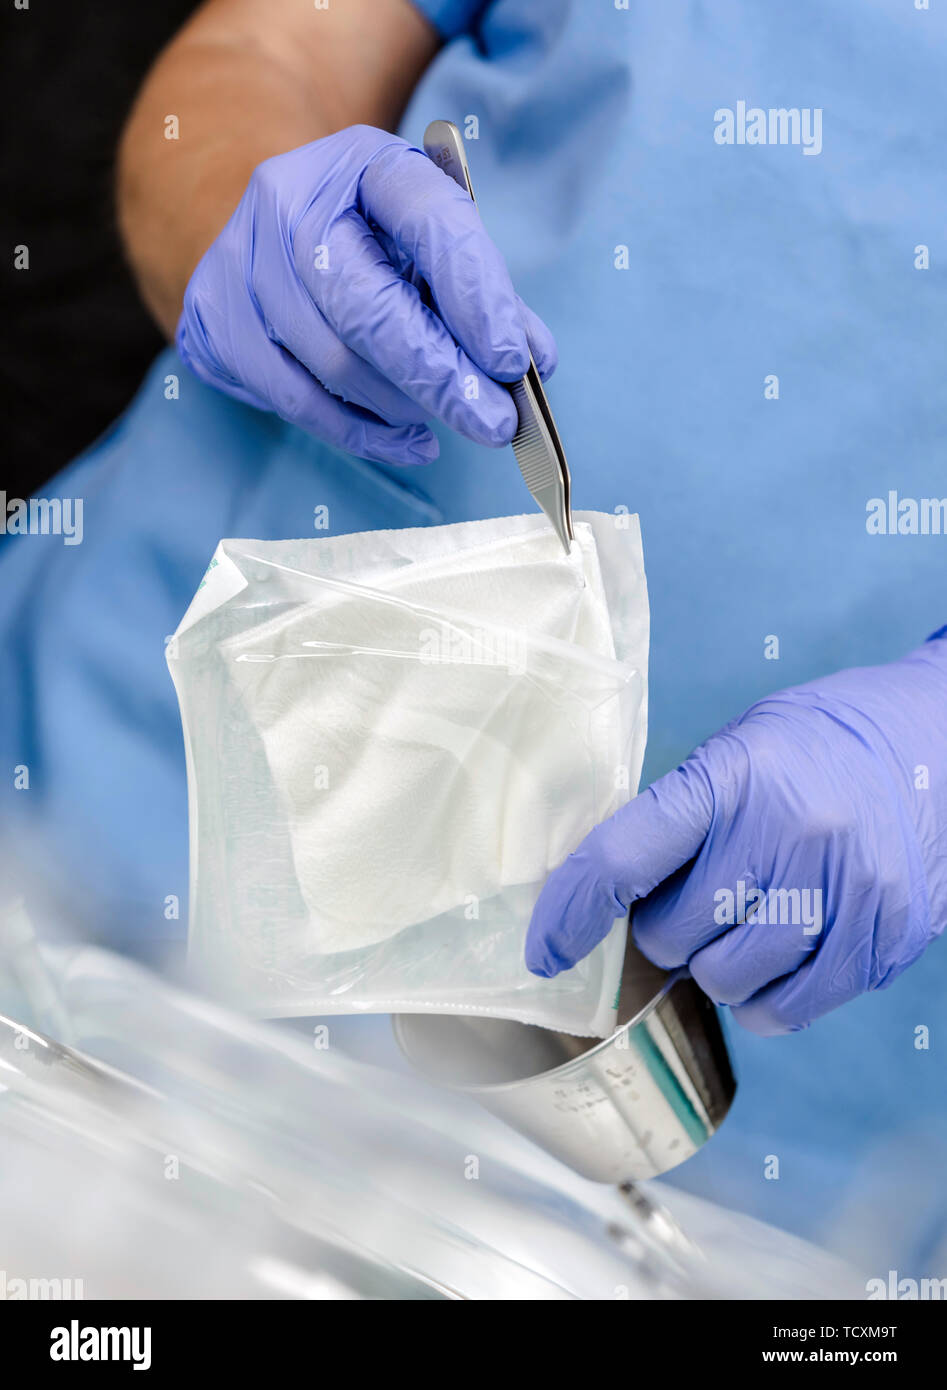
(391, 739)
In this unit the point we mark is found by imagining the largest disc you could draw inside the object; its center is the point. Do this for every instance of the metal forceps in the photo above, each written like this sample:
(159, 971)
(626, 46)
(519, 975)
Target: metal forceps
(536, 444)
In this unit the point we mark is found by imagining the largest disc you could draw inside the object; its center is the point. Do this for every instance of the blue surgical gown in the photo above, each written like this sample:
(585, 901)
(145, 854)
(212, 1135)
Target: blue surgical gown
(752, 343)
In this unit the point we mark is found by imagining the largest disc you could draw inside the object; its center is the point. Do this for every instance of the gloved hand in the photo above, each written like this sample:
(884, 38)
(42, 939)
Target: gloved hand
(306, 304)
(830, 799)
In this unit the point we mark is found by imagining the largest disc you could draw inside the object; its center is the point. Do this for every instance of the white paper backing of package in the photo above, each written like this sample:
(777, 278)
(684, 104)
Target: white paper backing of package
(392, 738)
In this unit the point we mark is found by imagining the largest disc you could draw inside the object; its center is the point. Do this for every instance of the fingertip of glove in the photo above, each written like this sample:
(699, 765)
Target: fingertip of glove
(540, 954)
(412, 451)
(495, 423)
(546, 365)
(650, 942)
(424, 450)
(510, 362)
(540, 961)
(763, 1022)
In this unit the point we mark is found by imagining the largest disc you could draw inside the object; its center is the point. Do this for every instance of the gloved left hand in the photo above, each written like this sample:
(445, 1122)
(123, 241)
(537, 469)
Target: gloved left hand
(795, 860)
(309, 302)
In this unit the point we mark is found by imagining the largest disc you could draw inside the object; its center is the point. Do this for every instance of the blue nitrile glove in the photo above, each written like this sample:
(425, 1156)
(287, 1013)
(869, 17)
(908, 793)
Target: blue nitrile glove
(834, 792)
(307, 303)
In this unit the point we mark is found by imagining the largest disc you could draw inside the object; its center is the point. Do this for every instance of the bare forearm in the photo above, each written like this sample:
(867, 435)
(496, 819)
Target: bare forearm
(247, 79)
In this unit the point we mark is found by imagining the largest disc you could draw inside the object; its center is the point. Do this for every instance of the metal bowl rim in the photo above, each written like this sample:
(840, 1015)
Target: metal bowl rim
(574, 1064)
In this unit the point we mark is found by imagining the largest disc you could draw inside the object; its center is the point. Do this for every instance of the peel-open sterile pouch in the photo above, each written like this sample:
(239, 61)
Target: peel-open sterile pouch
(391, 739)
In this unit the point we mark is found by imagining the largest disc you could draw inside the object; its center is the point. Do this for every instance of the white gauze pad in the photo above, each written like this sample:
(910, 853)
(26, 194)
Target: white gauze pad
(444, 771)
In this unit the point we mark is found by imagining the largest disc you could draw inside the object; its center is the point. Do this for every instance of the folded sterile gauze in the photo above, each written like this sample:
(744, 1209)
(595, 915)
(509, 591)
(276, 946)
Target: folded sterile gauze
(392, 739)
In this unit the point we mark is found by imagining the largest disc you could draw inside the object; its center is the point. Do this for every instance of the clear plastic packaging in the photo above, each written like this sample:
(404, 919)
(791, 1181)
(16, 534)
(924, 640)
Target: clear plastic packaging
(391, 740)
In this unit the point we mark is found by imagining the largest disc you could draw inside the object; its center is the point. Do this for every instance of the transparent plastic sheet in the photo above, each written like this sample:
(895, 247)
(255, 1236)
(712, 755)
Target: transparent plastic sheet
(391, 740)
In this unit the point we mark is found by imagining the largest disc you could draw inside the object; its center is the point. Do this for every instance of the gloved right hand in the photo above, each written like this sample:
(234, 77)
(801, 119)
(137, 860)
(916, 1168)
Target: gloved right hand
(308, 302)
(797, 859)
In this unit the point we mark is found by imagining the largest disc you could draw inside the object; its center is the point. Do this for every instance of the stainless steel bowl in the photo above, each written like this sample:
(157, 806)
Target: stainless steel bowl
(624, 1108)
